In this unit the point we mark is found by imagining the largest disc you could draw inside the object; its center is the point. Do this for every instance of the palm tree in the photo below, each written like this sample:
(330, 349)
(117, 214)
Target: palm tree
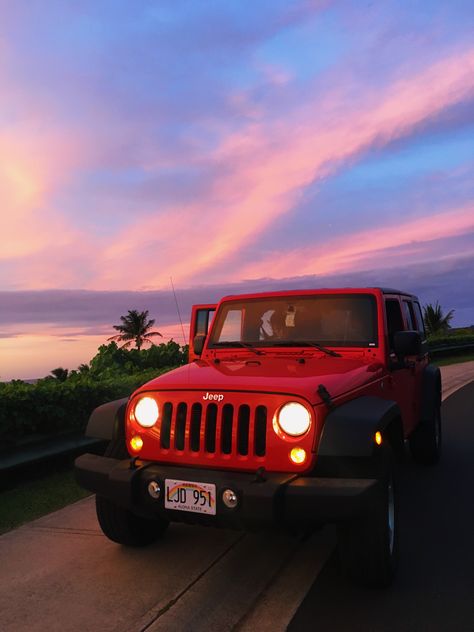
(435, 321)
(135, 327)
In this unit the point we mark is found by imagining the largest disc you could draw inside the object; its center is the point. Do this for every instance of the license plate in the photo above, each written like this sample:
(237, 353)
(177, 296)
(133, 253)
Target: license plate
(190, 496)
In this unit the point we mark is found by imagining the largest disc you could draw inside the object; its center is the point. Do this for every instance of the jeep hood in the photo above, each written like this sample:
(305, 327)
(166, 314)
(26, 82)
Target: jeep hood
(285, 374)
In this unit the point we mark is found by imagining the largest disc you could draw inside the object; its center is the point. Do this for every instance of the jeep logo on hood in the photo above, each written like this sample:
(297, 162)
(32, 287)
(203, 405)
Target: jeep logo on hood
(217, 397)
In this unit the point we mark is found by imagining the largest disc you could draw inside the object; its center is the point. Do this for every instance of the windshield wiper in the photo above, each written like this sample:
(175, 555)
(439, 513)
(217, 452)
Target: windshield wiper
(306, 343)
(238, 343)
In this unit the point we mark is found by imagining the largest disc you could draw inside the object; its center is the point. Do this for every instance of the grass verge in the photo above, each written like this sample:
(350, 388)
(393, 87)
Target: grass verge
(36, 498)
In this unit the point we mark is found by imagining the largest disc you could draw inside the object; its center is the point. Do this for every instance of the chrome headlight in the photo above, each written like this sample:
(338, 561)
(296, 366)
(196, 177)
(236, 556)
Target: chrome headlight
(146, 412)
(294, 419)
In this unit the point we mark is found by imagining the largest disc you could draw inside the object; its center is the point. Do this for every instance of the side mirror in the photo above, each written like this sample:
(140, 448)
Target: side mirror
(407, 343)
(198, 343)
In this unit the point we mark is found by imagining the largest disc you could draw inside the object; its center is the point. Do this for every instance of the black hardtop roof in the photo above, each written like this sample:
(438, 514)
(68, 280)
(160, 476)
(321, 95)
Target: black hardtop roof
(390, 290)
(384, 290)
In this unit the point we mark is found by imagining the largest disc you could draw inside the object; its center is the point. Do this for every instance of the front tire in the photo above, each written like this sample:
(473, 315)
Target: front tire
(122, 525)
(368, 545)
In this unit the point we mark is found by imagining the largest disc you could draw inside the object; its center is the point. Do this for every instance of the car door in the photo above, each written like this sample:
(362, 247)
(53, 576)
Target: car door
(414, 321)
(403, 378)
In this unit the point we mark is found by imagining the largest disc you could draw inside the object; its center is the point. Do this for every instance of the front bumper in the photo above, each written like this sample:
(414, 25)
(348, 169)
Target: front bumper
(272, 500)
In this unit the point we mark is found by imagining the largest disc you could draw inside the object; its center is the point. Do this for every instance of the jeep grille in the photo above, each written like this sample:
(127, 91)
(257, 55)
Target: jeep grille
(214, 428)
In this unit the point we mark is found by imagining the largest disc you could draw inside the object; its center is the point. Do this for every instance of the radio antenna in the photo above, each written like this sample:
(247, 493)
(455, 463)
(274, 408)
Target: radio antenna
(177, 309)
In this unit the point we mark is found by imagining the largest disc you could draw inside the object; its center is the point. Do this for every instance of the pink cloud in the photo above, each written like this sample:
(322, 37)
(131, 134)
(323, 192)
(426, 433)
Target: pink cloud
(30, 226)
(260, 175)
(267, 168)
(360, 250)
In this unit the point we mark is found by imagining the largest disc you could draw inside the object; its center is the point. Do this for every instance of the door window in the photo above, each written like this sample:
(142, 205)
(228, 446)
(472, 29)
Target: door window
(203, 317)
(409, 315)
(394, 318)
(420, 326)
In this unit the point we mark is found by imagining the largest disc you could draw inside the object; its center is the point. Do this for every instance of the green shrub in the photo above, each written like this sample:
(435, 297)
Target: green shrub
(450, 340)
(112, 360)
(464, 331)
(63, 403)
(51, 406)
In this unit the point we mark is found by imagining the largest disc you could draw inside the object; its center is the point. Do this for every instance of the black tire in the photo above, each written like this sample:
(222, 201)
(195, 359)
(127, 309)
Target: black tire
(426, 440)
(368, 545)
(122, 525)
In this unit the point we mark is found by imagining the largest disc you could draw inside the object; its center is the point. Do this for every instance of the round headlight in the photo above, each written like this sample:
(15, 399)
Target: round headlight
(294, 419)
(146, 412)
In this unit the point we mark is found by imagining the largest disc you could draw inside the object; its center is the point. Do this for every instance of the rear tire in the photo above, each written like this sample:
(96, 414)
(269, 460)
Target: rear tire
(122, 525)
(426, 440)
(368, 545)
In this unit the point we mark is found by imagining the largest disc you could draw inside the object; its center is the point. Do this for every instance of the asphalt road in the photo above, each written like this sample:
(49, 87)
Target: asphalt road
(434, 588)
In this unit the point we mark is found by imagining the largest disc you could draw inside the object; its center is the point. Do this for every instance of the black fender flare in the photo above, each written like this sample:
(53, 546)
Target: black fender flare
(349, 429)
(108, 421)
(347, 445)
(430, 392)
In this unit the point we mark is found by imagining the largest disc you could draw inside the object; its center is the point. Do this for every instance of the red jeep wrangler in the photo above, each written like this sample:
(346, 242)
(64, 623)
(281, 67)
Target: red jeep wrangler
(292, 412)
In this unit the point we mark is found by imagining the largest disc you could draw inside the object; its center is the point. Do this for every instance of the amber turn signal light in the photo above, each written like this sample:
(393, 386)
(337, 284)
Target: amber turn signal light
(298, 456)
(136, 443)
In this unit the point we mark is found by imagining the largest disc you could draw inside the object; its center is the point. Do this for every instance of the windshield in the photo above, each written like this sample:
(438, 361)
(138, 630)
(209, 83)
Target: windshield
(343, 320)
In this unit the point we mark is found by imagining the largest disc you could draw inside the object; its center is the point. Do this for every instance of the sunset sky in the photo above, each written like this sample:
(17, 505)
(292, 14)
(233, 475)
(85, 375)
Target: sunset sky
(232, 146)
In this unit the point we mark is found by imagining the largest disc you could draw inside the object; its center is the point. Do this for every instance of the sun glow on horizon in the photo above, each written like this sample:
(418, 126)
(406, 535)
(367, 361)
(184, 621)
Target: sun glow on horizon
(33, 355)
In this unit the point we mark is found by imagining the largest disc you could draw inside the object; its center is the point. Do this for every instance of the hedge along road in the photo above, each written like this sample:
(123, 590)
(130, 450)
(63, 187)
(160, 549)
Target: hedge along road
(60, 573)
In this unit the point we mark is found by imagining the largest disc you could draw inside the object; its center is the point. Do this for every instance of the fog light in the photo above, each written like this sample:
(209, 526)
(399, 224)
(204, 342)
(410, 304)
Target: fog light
(298, 456)
(230, 499)
(378, 438)
(154, 489)
(136, 443)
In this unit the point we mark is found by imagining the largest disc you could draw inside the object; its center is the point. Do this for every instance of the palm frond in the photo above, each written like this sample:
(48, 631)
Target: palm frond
(135, 327)
(435, 321)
